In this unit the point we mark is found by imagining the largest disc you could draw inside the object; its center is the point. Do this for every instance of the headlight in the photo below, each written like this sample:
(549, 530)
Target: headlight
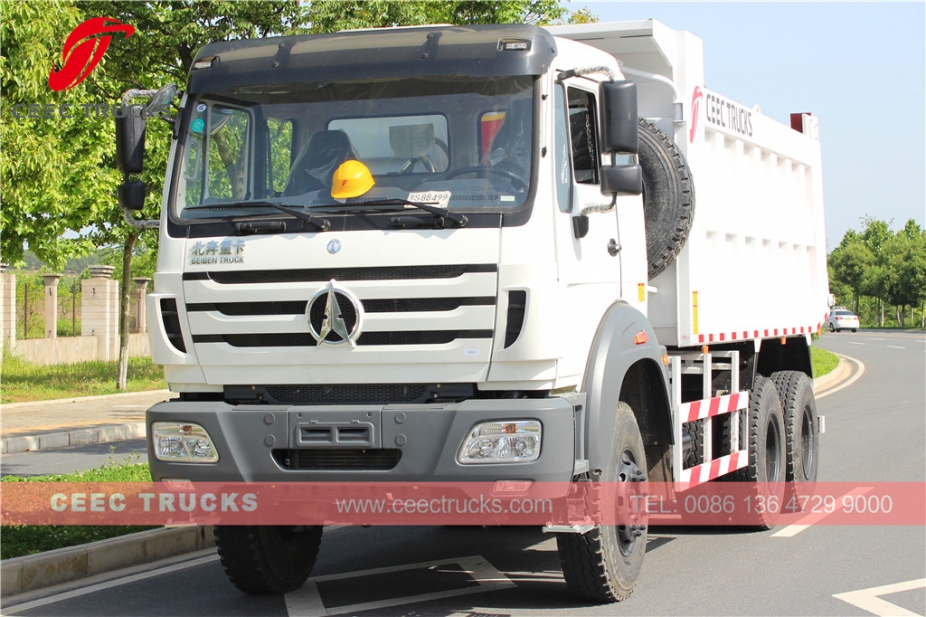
(515, 441)
(182, 443)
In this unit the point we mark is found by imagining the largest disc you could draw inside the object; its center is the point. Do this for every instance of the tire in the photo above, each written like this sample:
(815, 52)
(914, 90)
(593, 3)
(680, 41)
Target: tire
(695, 455)
(855, 329)
(263, 560)
(603, 564)
(795, 390)
(765, 439)
(668, 197)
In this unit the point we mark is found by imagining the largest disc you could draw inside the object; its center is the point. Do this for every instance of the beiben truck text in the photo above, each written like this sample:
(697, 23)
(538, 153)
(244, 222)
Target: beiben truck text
(479, 254)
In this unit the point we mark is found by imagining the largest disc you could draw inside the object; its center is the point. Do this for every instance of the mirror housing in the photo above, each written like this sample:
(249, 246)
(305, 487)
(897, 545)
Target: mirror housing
(132, 195)
(619, 104)
(160, 100)
(130, 140)
(622, 180)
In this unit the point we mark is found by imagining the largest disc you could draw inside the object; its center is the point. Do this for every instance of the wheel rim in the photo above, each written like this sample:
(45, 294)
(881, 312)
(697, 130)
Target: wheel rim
(772, 452)
(807, 438)
(627, 535)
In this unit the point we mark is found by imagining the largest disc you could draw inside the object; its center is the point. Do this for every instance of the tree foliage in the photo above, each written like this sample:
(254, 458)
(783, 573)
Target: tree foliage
(56, 172)
(886, 267)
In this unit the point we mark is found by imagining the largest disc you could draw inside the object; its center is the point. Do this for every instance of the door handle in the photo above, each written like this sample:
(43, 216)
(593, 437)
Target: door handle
(613, 247)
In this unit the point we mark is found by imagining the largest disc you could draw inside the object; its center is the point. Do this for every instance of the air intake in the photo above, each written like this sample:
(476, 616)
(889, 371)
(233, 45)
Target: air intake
(171, 320)
(517, 302)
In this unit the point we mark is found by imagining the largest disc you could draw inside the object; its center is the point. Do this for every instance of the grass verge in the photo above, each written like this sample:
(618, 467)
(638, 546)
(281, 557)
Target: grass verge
(24, 381)
(823, 361)
(19, 540)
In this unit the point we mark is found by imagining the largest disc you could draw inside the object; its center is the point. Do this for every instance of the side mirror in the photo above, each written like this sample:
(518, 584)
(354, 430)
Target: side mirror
(619, 130)
(130, 140)
(132, 195)
(622, 180)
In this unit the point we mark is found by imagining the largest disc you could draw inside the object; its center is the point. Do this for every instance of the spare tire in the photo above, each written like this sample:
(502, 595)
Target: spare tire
(668, 197)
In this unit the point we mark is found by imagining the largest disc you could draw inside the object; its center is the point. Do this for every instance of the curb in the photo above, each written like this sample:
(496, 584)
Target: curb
(78, 399)
(75, 437)
(31, 572)
(843, 371)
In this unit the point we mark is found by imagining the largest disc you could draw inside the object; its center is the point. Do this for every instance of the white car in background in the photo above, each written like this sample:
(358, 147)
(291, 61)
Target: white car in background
(842, 319)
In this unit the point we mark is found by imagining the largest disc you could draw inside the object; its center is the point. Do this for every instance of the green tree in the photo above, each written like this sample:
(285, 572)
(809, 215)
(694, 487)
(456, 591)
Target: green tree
(55, 171)
(904, 258)
(333, 15)
(850, 263)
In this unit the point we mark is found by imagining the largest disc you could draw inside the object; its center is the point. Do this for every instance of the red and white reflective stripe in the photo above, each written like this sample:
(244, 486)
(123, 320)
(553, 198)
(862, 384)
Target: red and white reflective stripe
(763, 333)
(708, 408)
(715, 468)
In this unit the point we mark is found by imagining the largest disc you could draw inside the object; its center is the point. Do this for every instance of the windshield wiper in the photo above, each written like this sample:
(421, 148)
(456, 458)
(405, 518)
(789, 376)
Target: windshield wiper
(442, 214)
(318, 222)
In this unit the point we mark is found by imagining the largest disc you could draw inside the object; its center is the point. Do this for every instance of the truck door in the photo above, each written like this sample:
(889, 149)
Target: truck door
(589, 267)
(587, 259)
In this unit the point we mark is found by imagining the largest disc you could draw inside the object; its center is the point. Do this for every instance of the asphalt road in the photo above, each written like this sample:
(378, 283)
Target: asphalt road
(875, 432)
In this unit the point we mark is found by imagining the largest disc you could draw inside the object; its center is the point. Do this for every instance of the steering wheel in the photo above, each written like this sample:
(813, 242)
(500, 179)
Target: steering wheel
(518, 182)
(426, 162)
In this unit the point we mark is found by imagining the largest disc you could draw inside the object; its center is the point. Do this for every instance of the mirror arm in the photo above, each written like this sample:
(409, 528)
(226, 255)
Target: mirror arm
(599, 208)
(139, 224)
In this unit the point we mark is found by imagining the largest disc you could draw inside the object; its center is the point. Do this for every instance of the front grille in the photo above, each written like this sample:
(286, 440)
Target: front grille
(304, 339)
(375, 393)
(347, 394)
(400, 305)
(340, 274)
(337, 459)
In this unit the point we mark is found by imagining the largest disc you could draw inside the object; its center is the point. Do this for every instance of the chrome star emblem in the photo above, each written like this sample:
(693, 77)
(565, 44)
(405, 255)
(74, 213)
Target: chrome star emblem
(340, 316)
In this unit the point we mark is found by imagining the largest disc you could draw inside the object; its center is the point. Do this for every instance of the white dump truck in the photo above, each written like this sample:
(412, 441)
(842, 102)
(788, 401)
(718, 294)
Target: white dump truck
(479, 254)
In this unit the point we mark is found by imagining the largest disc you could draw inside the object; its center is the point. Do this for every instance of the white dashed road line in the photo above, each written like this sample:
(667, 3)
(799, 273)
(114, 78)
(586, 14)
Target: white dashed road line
(868, 600)
(854, 343)
(895, 347)
(803, 523)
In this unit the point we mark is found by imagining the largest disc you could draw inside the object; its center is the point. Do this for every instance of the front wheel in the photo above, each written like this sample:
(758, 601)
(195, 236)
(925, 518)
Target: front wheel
(603, 564)
(264, 560)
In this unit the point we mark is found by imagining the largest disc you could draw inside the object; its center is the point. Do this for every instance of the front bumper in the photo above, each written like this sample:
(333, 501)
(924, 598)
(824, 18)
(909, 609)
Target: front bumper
(253, 440)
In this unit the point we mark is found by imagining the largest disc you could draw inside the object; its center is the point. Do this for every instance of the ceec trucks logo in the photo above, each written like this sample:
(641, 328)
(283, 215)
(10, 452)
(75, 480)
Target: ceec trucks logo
(695, 108)
(83, 50)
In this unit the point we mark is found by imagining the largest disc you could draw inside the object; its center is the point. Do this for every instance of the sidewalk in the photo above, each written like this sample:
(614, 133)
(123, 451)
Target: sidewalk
(42, 425)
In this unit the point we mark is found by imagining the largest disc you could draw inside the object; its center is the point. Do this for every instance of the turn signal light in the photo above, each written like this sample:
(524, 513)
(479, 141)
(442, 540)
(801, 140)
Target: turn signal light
(640, 338)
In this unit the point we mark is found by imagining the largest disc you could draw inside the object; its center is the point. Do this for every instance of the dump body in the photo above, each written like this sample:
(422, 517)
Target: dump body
(754, 265)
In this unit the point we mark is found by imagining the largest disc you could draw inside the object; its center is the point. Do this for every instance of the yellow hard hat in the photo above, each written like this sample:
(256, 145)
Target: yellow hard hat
(351, 179)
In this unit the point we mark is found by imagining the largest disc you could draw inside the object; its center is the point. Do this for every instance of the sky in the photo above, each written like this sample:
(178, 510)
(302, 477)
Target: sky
(860, 68)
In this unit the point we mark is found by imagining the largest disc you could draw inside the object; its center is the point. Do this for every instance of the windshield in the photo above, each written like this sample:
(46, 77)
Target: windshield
(467, 140)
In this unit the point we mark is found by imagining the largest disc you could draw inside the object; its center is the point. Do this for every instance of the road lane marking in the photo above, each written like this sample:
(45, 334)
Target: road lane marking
(805, 522)
(895, 347)
(852, 380)
(868, 600)
(76, 593)
(307, 602)
(855, 343)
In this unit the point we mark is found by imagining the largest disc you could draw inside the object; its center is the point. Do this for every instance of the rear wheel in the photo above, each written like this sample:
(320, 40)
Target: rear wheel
(795, 390)
(602, 565)
(268, 559)
(765, 439)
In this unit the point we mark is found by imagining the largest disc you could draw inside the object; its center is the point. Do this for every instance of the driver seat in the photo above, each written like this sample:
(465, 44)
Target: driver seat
(316, 164)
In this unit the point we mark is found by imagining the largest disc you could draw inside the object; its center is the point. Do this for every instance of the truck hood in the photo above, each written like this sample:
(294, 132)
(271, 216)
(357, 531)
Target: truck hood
(362, 307)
